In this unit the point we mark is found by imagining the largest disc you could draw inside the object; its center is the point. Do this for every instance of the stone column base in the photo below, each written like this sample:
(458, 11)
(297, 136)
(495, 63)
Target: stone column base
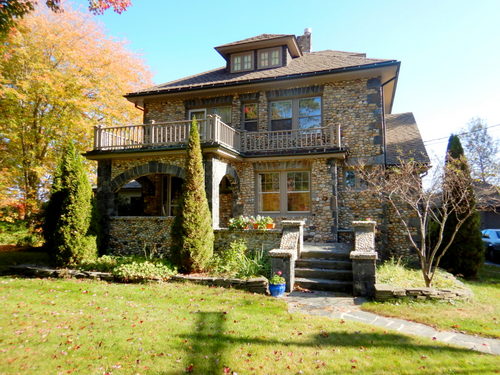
(284, 261)
(363, 273)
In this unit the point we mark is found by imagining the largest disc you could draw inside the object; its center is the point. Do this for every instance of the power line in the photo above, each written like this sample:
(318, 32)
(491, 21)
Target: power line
(438, 139)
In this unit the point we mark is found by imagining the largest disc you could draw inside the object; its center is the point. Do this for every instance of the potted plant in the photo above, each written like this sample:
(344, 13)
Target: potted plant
(263, 222)
(268, 221)
(277, 284)
(240, 222)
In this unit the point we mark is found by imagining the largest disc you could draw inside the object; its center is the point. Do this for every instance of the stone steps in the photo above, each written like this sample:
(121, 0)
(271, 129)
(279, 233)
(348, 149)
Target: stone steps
(325, 267)
(325, 254)
(324, 264)
(323, 273)
(324, 284)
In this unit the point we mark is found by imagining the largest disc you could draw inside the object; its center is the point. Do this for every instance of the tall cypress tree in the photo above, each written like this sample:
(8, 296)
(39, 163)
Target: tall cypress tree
(466, 253)
(67, 221)
(193, 232)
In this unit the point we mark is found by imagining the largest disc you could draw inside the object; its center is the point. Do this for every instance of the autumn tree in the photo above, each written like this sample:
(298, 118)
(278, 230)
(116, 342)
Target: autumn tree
(417, 207)
(59, 76)
(481, 150)
(13, 10)
(68, 216)
(193, 228)
(466, 251)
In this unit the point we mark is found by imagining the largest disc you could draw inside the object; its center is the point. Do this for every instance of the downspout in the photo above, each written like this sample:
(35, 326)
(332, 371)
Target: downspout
(384, 143)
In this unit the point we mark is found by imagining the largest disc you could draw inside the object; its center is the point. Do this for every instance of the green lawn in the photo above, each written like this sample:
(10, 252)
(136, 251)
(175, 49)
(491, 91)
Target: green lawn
(480, 316)
(87, 327)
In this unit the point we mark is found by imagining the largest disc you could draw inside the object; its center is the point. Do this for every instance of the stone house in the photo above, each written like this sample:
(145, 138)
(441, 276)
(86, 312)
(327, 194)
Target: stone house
(282, 127)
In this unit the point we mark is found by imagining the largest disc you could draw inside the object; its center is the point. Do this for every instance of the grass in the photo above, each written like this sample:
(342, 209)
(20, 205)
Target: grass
(88, 327)
(480, 316)
(24, 256)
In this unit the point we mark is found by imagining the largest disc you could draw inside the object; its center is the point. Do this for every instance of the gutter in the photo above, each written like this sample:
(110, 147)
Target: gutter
(267, 79)
(384, 127)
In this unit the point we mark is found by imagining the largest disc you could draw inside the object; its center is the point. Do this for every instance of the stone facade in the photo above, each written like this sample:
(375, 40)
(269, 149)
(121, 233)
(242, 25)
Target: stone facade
(141, 235)
(354, 104)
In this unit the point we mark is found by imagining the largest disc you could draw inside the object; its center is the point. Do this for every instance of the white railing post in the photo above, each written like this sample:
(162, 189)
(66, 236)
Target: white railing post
(97, 136)
(339, 135)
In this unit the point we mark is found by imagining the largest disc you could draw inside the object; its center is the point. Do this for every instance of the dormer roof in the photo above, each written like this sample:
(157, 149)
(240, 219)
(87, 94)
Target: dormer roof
(261, 41)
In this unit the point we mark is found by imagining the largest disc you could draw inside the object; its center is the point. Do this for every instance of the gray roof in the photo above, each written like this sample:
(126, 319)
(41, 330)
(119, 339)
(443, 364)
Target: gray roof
(403, 139)
(257, 38)
(320, 62)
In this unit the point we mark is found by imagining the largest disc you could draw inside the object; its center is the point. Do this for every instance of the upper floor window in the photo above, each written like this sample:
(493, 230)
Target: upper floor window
(269, 58)
(241, 62)
(300, 113)
(223, 111)
(250, 116)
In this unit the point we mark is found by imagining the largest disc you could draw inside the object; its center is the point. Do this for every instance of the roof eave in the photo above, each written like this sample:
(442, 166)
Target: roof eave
(266, 79)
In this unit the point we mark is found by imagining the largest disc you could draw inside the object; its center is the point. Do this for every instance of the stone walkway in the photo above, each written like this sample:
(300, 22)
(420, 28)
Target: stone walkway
(339, 306)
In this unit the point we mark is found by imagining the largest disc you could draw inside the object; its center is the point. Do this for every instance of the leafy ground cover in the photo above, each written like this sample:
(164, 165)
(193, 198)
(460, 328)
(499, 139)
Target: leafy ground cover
(480, 316)
(88, 327)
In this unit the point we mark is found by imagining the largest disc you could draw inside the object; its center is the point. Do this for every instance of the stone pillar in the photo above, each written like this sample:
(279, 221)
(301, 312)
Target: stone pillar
(284, 261)
(105, 202)
(364, 258)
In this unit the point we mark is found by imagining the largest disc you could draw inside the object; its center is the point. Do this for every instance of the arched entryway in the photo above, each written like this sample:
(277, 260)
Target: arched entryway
(152, 189)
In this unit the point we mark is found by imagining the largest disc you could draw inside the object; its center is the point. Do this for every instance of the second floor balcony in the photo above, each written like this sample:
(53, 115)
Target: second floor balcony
(214, 132)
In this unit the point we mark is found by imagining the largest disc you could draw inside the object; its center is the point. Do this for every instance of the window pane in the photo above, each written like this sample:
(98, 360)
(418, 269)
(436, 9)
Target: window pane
(310, 107)
(250, 111)
(350, 179)
(281, 110)
(264, 59)
(251, 126)
(269, 182)
(270, 202)
(281, 124)
(297, 181)
(237, 63)
(309, 122)
(298, 202)
(247, 62)
(223, 112)
(275, 57)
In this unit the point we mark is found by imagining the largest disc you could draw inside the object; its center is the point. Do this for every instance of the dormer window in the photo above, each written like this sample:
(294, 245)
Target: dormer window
(242, 62)
(269, 58)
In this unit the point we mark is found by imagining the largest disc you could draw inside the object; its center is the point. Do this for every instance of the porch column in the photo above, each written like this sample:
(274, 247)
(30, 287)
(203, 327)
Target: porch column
(105, 201)
(214, 171)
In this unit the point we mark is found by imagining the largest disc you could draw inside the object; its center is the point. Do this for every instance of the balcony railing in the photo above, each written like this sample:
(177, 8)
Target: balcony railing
(213, 130)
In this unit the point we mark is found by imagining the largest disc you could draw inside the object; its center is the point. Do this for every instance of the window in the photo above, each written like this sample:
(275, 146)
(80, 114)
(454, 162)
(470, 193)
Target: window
(269, 58)
(301, 113)
(242, 62)
(250, 116)
(223, 112)
(284, 192)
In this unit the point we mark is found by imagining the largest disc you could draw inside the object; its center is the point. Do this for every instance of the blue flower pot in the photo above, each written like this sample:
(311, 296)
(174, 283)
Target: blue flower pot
(277, 290)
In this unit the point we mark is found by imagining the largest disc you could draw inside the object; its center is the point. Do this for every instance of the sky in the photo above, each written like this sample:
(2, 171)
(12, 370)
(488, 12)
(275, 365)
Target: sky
(449, 50)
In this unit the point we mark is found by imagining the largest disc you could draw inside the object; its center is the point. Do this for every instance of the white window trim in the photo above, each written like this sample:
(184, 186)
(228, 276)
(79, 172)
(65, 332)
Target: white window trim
(283, 193)
(249, 53)
(268, 50)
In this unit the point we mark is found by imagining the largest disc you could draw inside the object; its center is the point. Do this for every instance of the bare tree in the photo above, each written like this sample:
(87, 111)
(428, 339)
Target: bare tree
(417, 208)
(482, 151)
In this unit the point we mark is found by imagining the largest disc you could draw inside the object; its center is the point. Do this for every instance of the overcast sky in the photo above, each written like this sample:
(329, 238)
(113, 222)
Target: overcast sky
(449, 50)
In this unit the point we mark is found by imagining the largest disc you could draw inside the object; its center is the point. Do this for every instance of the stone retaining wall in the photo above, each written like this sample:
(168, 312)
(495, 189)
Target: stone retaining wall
(255, 239)
(140, 235)
(384, 292)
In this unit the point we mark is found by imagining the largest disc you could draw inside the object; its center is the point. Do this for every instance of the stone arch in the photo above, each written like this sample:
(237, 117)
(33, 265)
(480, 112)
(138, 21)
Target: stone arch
(142, 170)
(229, 189)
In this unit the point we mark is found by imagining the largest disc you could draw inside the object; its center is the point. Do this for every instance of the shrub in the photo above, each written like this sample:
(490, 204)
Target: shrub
(68, 214)
(138, 271)
(192, 231)
(237, 261)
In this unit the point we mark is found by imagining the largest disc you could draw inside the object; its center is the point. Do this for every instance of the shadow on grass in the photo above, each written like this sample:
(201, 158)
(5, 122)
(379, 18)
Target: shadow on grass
(208, 345)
